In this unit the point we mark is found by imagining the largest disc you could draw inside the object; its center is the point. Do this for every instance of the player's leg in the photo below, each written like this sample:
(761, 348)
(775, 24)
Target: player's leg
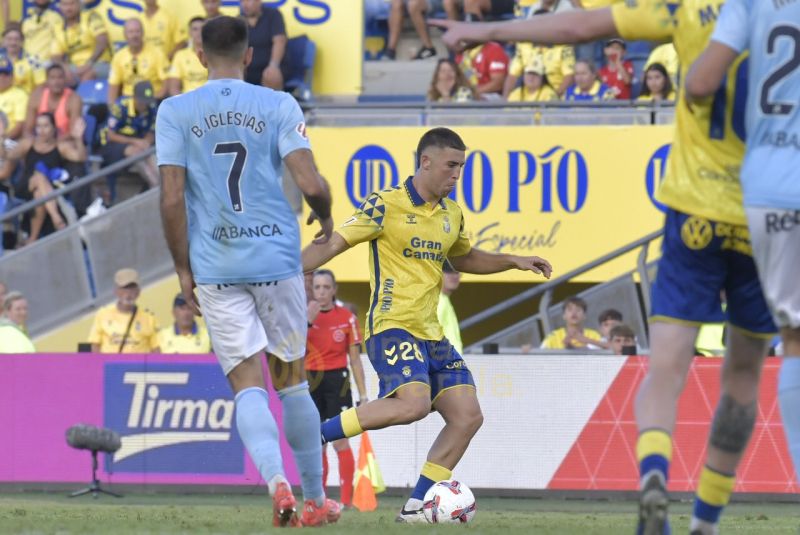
(281, 307)
(317, 386)
(239, 338)
(776, 248)
(416, 12)
(691, 274)
(342, 399)
(751, 328)
(455, 398)
(404, 394)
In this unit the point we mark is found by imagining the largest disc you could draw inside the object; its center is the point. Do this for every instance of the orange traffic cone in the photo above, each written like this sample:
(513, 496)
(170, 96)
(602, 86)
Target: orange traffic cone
(369, 480)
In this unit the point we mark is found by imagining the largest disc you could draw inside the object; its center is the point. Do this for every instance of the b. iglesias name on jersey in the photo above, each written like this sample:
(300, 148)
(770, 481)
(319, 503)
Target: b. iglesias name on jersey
(231, 118)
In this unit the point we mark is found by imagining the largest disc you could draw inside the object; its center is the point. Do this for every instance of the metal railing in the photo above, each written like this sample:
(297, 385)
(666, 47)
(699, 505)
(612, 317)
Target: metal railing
(545, 290)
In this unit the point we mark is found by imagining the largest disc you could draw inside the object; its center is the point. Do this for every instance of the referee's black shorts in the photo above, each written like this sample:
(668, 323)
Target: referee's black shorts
(330, 390)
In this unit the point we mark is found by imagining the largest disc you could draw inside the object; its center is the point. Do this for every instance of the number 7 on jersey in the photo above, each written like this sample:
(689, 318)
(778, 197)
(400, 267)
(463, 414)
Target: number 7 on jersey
(235, 172)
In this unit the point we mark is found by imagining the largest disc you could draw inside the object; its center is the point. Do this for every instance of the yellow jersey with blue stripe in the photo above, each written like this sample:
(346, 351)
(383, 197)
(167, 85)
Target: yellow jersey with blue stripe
(703, 170)
(409, 241)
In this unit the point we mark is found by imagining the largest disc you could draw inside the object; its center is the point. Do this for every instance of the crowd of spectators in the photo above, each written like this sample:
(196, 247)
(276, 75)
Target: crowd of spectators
(60, 48)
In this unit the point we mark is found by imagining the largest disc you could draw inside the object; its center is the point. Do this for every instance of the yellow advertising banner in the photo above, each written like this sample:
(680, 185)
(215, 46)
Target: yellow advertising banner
(336, 27)
(569, 194)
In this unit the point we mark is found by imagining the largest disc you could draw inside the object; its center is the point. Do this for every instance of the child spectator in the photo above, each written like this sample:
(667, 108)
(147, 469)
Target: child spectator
(587, 88)
(535, 87)
(485, 66)
(449, 84)
(573, 335)
(657, 86)
(617, 73)
(622, 340)
(667, 56)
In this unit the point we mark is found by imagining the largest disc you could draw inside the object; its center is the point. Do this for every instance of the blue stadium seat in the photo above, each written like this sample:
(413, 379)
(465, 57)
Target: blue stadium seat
(299, 66)
(93, 91)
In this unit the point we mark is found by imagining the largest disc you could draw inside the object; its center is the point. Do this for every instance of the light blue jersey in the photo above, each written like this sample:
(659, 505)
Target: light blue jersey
(770, 29)
(231, 137)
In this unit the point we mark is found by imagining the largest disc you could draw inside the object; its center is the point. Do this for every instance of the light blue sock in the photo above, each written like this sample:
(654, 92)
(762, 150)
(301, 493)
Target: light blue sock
(259, 432)
(789, 398)
(301, 426)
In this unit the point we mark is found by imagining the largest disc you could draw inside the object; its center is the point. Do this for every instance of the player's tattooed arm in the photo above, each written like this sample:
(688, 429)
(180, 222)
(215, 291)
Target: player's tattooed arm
(482, 263)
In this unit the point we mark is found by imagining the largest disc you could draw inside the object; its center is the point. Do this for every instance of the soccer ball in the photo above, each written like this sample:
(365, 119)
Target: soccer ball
(449, 502)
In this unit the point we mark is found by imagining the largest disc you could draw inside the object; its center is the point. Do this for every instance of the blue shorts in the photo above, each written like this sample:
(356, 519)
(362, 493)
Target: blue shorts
(699, 259)
(399, 359)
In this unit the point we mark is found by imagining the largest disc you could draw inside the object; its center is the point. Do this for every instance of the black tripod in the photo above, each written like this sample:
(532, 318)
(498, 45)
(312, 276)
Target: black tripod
(94, 487)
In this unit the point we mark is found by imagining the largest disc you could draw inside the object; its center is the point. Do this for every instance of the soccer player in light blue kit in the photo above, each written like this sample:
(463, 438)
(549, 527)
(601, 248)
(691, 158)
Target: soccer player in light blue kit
(771, 169)
(232, 232)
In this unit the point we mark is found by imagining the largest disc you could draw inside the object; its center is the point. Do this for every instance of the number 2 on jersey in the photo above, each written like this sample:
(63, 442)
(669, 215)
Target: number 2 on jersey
(235, 172)
(787, 68)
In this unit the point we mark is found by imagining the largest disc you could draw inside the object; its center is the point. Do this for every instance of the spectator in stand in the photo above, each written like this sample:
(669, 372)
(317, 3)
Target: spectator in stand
(122, 327)
(449, 84)
(587, 88)
(136, 62)
(535, 87)
(13, 334)
(82, 43)
(186, 72)
(54, 97)
(607, 320)
(573, 335)
(42, 22)
(622, 340)
(47, 160)
(161, 29)
(418, 11)
(131, 130)
(333, 340)
(13, 100)
(23, 66)
(476, 10)
(184, 335)
(211, 8)
(617, 73)
(667, 56)
(268, 38)
(445, 312)
(657, 86)
(486, 67)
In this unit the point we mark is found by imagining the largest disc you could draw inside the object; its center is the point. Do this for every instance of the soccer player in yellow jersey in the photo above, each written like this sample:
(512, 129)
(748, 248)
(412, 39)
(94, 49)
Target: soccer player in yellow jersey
(412, 229)
(41, 23)
(186, 72)
(83, 42)
(706, 248)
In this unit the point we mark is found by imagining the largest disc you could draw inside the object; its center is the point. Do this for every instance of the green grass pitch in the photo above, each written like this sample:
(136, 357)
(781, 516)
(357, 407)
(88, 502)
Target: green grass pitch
(240, 514)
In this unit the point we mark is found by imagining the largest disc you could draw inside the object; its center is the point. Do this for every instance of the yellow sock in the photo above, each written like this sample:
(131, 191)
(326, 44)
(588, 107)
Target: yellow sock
(654, 451)
(350, 424)
(715, 489)
(435, 472)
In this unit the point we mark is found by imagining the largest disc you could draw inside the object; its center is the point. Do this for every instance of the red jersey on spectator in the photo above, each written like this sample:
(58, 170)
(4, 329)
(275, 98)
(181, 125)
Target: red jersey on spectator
(621, 90)
(481, 62)
(329, 339)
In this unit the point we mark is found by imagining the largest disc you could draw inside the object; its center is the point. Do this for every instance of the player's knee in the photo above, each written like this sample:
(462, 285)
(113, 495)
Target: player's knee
(474, 421)
(415, 409)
